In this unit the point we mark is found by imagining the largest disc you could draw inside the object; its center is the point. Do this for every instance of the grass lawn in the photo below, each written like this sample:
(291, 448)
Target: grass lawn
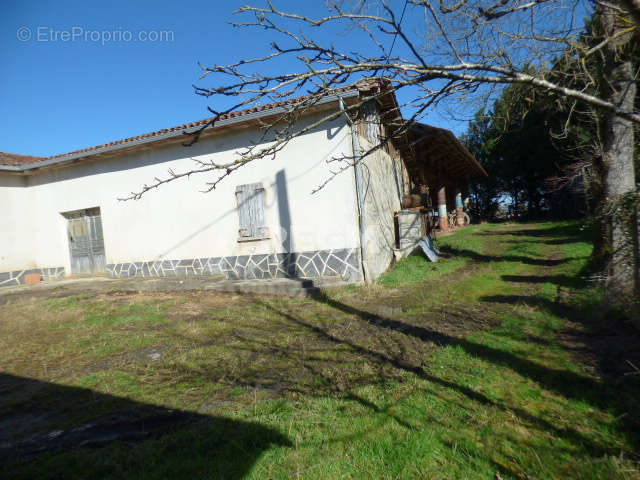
(496, 363)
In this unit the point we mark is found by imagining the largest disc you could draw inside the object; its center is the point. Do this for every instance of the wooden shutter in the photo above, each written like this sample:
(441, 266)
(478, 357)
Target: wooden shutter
(252, 224)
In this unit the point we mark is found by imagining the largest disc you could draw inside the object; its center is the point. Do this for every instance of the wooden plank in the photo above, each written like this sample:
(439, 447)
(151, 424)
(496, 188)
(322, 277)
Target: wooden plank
(252, 223)
(244, 220)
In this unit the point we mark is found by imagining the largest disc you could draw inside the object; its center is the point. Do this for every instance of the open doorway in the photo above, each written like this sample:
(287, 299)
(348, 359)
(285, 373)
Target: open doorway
(86, 241)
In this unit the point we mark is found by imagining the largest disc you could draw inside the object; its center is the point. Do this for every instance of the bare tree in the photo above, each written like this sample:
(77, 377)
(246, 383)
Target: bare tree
(435, 54)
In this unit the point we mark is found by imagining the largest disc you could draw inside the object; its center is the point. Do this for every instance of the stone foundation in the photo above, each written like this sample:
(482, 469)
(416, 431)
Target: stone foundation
(18, 277)
(343, 263)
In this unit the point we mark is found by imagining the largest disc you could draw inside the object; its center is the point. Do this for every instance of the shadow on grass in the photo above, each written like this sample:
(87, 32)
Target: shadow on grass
(603, 340)
(593, 391)
(55, 431)
(159, 443)
(567, 383)
(563, 382)
(570, 233)
(555, 241)
(558, 280)
(566, 232)
(479, 257)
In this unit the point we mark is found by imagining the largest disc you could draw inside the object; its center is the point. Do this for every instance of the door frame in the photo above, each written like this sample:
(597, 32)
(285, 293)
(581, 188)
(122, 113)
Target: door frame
(86, 214)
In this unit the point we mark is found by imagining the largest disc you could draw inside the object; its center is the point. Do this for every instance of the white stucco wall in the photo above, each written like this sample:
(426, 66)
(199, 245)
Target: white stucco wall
(16, 215)
(177, 221)
(382, 179)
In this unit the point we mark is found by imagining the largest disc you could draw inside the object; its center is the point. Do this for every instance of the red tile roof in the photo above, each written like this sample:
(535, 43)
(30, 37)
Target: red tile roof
(18, 160)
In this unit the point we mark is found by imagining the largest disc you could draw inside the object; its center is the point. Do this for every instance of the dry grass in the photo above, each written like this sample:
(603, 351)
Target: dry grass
(453, 369)
(162, 348)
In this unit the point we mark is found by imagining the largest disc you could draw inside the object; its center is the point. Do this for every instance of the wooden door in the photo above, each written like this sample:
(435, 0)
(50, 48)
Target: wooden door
(86, 241)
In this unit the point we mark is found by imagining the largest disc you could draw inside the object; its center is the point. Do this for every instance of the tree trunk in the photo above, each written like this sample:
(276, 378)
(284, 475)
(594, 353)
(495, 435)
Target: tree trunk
(617, 169)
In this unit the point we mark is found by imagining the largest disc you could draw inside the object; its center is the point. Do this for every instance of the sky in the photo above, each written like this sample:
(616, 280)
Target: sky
(80, 73)
(59, 95)
(77, 74)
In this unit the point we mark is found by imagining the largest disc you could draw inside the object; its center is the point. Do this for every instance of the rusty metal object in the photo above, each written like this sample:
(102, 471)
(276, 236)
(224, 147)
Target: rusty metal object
(412, 201)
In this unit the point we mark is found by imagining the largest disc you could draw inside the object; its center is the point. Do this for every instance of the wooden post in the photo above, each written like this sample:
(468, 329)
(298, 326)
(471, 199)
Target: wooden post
(442, 205)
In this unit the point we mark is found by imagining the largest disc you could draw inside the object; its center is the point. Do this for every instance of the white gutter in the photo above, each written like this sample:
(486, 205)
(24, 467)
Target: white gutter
(164, 136)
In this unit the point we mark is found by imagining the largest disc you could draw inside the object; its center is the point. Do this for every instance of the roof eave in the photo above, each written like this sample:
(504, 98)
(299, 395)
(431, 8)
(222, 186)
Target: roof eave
(68, 158)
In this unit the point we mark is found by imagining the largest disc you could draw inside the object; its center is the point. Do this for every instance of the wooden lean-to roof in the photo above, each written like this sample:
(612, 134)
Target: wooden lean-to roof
(437, 150)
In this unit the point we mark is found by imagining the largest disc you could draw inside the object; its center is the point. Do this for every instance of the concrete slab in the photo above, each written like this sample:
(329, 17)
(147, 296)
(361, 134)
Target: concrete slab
(291, 287)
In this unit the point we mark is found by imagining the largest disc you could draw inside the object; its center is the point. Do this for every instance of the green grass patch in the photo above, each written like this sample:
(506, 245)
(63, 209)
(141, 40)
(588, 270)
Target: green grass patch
(416, 268)
(470, 377)
(151, 313)
(72, 301)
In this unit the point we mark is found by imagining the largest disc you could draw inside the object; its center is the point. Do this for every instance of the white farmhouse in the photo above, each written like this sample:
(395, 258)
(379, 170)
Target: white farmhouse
(63, 215)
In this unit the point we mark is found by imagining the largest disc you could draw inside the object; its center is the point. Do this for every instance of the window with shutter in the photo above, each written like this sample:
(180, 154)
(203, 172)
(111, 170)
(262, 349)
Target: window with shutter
(251, 219)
